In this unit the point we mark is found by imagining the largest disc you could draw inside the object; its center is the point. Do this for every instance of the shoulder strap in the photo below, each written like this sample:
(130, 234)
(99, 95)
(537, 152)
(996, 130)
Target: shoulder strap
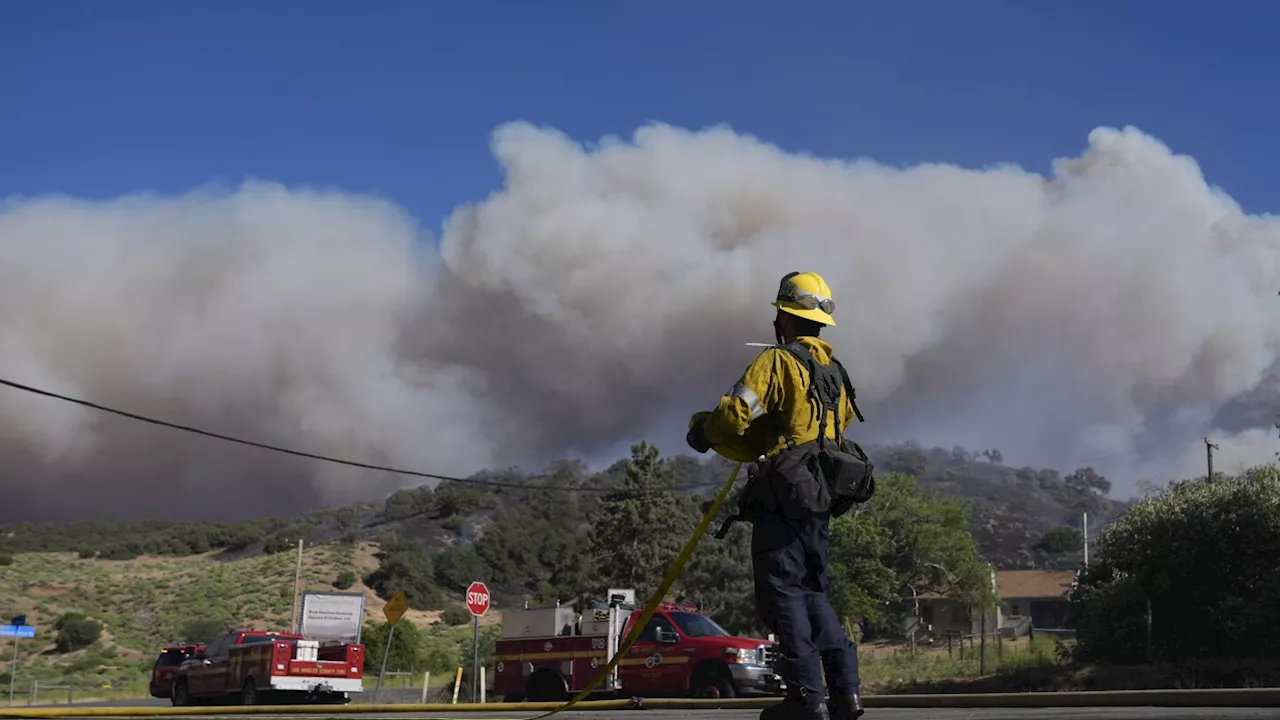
(806, 358)
(848, 388)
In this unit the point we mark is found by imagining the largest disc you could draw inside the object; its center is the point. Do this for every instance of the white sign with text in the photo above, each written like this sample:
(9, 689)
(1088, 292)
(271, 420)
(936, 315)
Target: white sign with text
(332, 616)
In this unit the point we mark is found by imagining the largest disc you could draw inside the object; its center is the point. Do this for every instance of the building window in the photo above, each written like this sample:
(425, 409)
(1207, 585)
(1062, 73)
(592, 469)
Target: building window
(1014, 610)
(926, 614)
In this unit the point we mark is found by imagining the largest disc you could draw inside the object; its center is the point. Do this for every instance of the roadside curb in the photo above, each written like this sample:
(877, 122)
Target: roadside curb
(1230, 697)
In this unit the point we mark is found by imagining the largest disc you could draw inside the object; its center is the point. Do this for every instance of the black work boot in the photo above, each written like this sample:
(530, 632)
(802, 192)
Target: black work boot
(845, 707)
(796, 705)
(796, 710)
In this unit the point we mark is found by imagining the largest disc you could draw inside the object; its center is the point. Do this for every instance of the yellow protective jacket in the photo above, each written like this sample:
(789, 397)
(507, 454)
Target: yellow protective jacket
(771, 401)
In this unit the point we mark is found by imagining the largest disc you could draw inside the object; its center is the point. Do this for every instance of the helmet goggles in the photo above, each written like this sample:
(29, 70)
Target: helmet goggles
(792, 295)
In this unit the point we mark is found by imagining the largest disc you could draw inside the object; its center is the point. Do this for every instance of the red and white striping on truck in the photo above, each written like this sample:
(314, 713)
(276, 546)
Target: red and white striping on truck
(549, 654)
(260, 667)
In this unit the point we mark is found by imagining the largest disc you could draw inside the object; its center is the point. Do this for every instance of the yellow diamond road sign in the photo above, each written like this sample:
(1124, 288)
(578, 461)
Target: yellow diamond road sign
(395, 608)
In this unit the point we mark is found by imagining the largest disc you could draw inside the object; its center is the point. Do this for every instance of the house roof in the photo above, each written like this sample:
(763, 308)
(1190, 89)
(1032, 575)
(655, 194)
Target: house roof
(1026, 585)
(1034, 584)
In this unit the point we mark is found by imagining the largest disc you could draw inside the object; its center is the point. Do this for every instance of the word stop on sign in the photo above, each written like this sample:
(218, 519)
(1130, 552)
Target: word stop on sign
(478, 598)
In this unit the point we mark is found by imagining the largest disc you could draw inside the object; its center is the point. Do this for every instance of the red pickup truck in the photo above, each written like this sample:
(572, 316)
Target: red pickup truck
(260, 667)
(550, 654)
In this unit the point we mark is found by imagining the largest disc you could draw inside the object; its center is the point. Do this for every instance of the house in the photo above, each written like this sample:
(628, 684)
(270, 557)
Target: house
(1036, 598)
(1028, 598)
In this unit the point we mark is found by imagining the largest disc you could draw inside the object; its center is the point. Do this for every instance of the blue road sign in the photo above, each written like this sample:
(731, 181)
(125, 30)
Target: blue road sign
(18, 631)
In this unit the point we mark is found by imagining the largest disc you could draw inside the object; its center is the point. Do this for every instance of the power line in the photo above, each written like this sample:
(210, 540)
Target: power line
(314, 456)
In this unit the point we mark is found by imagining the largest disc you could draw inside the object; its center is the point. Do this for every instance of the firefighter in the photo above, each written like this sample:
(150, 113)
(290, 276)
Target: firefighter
(769, 415)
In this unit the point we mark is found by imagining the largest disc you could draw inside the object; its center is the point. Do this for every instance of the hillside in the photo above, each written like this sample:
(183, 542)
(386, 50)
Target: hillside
(146, 602)
(148, 583)
(1012, 509)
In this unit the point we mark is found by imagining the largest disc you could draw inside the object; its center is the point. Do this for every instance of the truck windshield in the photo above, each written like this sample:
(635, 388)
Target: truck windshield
(697, 625)
(170, 658)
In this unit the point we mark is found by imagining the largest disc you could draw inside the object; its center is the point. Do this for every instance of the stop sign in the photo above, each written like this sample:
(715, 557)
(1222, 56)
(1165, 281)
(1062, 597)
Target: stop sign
(478, 598)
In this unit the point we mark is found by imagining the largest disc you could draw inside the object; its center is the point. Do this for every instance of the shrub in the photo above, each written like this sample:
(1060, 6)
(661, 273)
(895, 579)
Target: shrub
(1201, 556)
(456, 615)
(76, 632)
(345, 580)
(202, 630)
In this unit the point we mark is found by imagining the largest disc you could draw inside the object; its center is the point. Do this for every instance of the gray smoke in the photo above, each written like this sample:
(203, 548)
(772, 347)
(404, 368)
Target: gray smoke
(1111, 314)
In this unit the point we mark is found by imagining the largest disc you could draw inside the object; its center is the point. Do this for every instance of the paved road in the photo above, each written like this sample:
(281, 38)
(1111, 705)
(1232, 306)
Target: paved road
(1137, 713)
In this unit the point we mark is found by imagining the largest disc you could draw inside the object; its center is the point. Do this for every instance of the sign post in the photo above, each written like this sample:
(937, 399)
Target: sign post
(394, 610)
(17, 628)
(478, 604)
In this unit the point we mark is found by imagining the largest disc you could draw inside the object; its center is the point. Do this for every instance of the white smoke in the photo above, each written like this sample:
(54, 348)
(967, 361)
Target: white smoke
(1112, 314)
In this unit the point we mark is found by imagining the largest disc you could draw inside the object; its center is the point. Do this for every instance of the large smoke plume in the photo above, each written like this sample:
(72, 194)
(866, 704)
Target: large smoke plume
(1111, 314)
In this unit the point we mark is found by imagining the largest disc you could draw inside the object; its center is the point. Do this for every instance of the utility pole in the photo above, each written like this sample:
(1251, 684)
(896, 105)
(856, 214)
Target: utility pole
(297, 582)
(1208, 451)
(1086, 538)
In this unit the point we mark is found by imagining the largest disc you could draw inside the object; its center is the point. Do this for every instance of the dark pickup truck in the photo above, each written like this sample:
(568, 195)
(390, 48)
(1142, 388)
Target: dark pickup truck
(167, 666)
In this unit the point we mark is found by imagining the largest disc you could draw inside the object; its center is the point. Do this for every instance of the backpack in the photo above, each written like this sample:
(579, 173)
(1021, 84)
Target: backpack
(818, 477)
(824, 476)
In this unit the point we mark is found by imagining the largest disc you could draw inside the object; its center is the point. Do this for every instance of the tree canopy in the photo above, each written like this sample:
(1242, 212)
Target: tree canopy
(904, 542)
(1202, 554)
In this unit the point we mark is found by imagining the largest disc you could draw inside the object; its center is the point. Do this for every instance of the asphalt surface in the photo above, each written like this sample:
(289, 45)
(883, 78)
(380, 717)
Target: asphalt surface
(1083, 713)
(1136, 713)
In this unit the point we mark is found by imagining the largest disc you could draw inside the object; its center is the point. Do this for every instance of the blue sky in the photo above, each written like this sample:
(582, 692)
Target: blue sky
(398, 98)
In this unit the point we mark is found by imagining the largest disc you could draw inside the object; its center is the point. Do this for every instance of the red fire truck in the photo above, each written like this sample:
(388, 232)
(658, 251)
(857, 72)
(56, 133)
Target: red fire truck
(549, 654)
(258, 666)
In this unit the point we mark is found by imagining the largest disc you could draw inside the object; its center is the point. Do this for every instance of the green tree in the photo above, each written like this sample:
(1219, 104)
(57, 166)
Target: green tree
(1203, 556)
(345, 580)
(718, 577)
(1087, 480)
(455, 499)
(456, 568)
(861, 580)
(1060, 540)
(405, 565)
(76, 632)
(410, 502)
(407, 646)
(454, 615)
(6, 557)
(537, 546)
(642, 525)
(488, 641)
(904, 541)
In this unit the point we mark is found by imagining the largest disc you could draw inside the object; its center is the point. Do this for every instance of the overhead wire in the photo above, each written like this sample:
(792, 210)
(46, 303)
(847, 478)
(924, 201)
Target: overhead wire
(368, 466)
(326, 458)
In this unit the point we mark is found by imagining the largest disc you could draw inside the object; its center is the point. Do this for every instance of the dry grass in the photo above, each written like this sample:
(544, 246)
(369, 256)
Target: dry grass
(144, 603)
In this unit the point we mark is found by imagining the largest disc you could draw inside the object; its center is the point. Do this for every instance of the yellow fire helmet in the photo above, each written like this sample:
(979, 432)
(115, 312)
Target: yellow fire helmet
(731, 451)
(806, 295)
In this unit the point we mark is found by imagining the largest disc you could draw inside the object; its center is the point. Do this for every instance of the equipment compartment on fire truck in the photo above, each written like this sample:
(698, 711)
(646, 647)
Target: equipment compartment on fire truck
(549, 654)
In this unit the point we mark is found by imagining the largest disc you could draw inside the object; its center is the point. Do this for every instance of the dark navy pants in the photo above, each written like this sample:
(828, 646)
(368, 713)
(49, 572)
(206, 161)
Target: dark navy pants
(789, 561)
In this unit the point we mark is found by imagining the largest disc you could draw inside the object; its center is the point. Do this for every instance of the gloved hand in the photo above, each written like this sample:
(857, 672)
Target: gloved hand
(697, 437)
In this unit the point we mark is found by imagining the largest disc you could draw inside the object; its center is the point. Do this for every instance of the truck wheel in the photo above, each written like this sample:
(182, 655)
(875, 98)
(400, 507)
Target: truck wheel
(179, 696)
(546, 686)
(713, 687)
(249, 693)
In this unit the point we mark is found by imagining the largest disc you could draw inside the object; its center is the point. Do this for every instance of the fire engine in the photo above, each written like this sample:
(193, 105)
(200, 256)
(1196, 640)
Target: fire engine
(549, 654)
(257, 666)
